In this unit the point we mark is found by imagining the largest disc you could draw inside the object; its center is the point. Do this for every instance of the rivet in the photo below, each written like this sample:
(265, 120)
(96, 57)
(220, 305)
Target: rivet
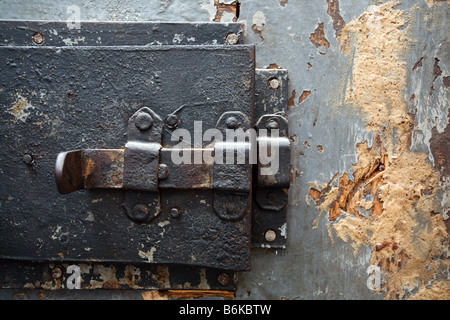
(163, 171)
(27, 159)
(274, 83)
(37, 38)
(223, 279)
(174, 212)
(56, 273)
(140, 212)
(232, 123)
(143, 121)
(270, 235)
(232, 38)
(172, 120)
(272, 124)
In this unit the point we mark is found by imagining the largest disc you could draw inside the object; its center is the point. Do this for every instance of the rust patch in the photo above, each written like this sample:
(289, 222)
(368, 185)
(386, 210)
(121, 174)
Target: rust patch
(304, 95)
(154, 295)
(162, 277)
(102, 168)
(436, 73)
(291, 100)
(273, 66)
(283, 3)
(440, 149)
(318, 39)
(309, 66)
(418, 64)
(189, 294)
(258, 31)
(335, 14)
(221, 8)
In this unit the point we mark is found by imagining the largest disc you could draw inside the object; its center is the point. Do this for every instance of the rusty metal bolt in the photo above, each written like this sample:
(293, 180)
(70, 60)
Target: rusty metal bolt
(27, 159)
(163, 171)
(232, 38)
(143, 121)
(37, 38)
(223, 279)
(140, 212)
(270, 235)
(56, 273)
(272, 124)
(174, 212)
(232, 123)
(172, 120)
(274, 83)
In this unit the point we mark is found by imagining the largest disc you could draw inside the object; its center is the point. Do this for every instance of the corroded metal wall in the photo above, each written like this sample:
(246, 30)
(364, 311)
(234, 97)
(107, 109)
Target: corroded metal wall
(368, 118)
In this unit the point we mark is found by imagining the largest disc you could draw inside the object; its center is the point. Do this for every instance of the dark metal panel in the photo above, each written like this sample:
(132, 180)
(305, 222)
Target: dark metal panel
(57, 99)
(57, 33)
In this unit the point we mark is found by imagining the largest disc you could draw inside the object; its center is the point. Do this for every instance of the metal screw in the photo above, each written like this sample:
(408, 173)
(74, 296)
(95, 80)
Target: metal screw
(172, 120)
(140, 212)
(232, 38)
(270, 235)
(27, 159)
(272, 124)
(56, 273)
(232, 123)
(223, 279)
(163, 171)
(174, 212)
(143, 121)
(37, 38)
(274, 83)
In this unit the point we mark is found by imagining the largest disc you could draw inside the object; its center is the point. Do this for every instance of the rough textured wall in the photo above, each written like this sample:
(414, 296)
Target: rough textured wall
(368, 119)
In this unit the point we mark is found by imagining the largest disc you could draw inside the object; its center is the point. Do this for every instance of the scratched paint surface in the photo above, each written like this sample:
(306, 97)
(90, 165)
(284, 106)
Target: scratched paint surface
(369, 128)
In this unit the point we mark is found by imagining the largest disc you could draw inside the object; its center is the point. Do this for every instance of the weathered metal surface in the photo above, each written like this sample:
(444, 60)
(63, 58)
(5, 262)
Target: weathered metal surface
(75, 98)
(89, 276)
(345, 57)
(274, 165)
(326, 129)
(269, 99)
(269, 209)
(187, 176)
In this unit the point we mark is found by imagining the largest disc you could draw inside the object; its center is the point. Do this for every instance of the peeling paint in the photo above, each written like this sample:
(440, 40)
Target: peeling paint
(147, 255)
(74, 41)
(283, 3)
(335, 14)
(318, 39)
(396, 186)
(20, 109)
(225, 11)
(303, 96)
(258, 24)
